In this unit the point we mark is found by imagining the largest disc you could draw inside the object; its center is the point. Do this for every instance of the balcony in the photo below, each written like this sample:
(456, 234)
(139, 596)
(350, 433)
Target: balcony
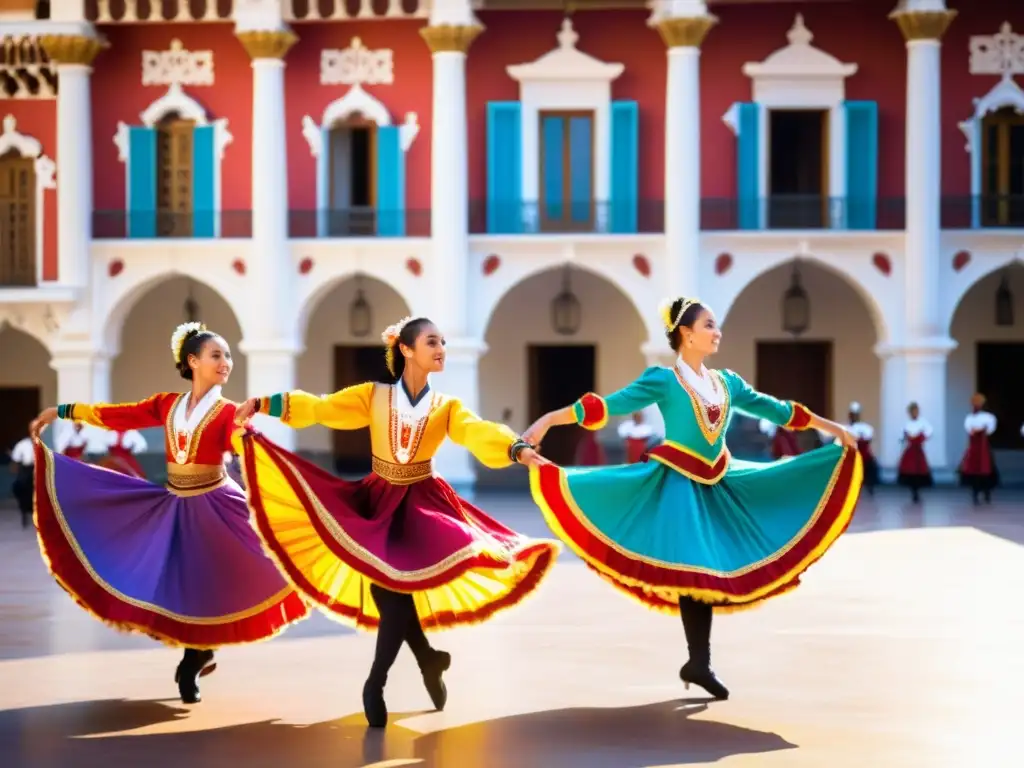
(577, 218)
(983, 212)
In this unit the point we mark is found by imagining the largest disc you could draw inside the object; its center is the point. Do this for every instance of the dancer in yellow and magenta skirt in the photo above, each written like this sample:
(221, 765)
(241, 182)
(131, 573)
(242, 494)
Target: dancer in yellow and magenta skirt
(397, 551)
(692, 530)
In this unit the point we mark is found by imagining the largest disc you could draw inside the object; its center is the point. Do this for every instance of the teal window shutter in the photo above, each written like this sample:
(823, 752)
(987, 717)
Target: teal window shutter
(504, 168)
(625, 163)
(581, 169)
(204, 180)
(861, 164)
(390, 183)
(141, 182)
(552, 181)
(748, 165)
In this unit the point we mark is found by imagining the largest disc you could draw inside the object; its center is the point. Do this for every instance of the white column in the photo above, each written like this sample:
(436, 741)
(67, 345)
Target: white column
(683, 34)
(452, 30)
(83, 376)
(271, 369)
(461, 379)
(74, 55)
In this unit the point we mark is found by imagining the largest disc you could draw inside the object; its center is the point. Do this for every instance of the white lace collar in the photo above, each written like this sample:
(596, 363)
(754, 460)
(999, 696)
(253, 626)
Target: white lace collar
(182, 424)
(703, 383)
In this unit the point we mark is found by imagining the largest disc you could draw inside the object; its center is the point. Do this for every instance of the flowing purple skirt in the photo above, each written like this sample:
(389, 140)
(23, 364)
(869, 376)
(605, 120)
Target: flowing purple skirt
(187, 570)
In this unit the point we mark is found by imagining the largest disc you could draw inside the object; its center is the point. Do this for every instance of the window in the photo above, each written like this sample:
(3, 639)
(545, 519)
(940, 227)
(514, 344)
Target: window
(17, 221)
(352, 179)
(566, 171)
(798, 169)
(1002, 162)
(174, 164)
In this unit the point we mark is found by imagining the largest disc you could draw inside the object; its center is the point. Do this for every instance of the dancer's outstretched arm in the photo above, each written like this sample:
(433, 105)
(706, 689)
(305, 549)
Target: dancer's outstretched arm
(494, 445)
(346, 409)
(117, 416)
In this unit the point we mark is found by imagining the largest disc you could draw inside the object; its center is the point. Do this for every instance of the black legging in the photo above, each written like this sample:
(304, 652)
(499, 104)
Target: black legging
(399, 623)
(23, 490)
(697, 626)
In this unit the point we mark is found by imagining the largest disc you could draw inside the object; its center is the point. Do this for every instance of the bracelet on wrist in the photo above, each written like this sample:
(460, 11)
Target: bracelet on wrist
(516, 449)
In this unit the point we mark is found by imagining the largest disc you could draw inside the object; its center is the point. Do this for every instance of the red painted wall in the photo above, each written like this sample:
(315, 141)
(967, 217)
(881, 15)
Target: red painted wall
(118, 95)
(410, 92)
(38, 119)
(960, 87)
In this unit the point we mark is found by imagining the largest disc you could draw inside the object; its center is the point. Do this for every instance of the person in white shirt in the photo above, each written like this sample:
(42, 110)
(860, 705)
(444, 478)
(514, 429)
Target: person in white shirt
(784, 442)
(914, 471)
(864, 433)
(637, 435)
(74, 442)
(122, 447)
(23, 462)
(978, 467)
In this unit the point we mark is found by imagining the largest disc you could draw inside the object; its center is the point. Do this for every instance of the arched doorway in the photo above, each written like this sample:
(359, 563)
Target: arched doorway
(174, 174)
(17, 220)
(27, 385)
(989, 358)
(343, 348)
(144, 364)
(1002, 168)
(531, 368)
(352, 176)
(829, 365)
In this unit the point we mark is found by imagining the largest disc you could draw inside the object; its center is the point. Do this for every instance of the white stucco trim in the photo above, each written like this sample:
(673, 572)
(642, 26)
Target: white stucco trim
(176, 101)
(28, 146)
(566, 79)
(357, 101)
(1005, 93)
(800, 76)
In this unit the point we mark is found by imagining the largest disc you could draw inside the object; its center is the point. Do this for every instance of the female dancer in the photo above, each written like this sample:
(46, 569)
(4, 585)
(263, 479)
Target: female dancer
(694, 529)
(977, 467)
(121, 449)
(914, 472)
(180, 564)
(73, 442)
(397, 551)
(864, 433)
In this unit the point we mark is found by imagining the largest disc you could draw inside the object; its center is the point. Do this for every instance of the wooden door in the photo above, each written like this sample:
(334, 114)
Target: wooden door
(999, 373)
(559, 375)
(354, 365)
(174, 178)
(17, 221)
(21, 405)
(797, 370)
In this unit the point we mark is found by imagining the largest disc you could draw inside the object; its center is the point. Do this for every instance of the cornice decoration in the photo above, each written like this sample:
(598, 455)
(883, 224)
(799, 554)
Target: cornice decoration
(27, 146)
(177, 66)
(566, 62)
(357, 65)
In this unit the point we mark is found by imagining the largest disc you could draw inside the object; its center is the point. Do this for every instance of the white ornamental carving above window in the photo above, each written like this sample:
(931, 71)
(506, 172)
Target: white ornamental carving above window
(357, 65)
(999, 54)
(177, 66)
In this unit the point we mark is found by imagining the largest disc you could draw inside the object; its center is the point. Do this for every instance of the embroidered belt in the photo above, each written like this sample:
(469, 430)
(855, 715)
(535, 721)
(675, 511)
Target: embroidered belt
(402, 474)
(195, 479)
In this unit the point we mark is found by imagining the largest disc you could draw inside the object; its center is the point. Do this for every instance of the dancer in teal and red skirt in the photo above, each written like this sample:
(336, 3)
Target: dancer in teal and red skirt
(691, 529)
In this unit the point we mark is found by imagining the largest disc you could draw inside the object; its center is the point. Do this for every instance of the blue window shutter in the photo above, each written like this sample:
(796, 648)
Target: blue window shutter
(552, 174)
(204, 175)
(625, 162)
(323, 184)
(390, 183)
(504, 168)
(581, 169)
(141, 182)
(861, 164)
(748, 164)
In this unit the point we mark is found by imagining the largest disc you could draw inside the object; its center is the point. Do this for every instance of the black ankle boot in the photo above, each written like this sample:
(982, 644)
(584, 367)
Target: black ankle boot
(696, 618)
(374, 706)
(700, 673)
(433, 667)
(193, 665)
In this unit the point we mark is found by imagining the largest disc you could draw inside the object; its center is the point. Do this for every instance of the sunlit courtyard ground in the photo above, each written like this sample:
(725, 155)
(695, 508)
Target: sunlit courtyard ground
(904, 647)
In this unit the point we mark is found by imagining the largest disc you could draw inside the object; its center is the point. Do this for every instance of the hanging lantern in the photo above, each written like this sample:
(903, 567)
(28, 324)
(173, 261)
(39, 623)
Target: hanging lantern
(1004, 304)
(566, 313)
(796, 307)
(360, 316)
(191, 307)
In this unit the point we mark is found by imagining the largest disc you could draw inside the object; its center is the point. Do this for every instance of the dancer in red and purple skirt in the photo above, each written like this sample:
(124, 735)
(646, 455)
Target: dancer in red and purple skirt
(398, 551)
(977, 467)
(914, 472)
(178, 563)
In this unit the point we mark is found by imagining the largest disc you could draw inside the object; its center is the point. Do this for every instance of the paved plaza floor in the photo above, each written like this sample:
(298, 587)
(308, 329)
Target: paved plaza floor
(904, 647)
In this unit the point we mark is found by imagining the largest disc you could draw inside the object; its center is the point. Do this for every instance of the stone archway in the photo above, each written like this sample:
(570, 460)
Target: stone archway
(27, 383)
(521, 363)
(144, 365)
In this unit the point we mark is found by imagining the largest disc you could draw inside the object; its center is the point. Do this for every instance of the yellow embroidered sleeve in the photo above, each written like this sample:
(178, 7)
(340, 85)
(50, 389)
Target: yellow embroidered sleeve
(487, 441)
(347, 409)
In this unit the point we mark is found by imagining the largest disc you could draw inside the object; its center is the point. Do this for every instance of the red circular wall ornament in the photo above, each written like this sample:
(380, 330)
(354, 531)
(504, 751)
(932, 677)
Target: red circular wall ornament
(414, 267)
(882, 263)
(115, 267)
(723, 263)
(642, 265)
(491, 264)
(961, 260)
(306, 265)
(239, 266)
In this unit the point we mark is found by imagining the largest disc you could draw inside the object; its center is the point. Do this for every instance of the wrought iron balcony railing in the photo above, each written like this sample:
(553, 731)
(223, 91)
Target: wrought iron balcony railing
(488, 217)
(983, 212)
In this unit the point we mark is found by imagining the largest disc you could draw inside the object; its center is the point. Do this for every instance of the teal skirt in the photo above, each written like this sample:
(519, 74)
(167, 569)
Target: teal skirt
(658, 535)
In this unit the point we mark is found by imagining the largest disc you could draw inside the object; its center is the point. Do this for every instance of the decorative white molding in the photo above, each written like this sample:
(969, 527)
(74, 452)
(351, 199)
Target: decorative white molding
(800, 76)
(998, 54)
(357, 65)
(45, 170)
(357, 101)
(177, 66)
(565, 78)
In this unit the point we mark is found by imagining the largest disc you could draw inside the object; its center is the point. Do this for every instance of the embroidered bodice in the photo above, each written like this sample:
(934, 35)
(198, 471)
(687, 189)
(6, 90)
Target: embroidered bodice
(981, 421)
(917, 428)
(198, 438)
(862, 431)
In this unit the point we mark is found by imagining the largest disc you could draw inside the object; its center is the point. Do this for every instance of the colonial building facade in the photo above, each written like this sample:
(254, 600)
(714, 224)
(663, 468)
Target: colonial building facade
(843, 182)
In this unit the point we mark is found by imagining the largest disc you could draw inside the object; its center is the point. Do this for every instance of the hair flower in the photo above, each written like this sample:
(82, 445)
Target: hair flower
(180, 335)
(393, 331)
